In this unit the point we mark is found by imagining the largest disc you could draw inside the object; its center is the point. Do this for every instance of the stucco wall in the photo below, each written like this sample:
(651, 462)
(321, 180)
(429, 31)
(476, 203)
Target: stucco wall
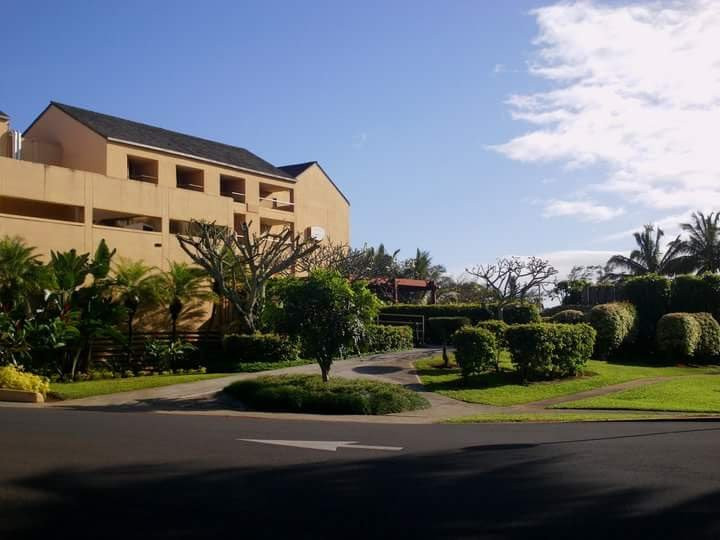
(79, 147)
(320, 203)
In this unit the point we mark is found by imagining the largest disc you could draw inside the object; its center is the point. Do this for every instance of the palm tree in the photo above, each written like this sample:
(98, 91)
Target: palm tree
(135, 285)
(22, 275)
(180, 287)
(702, 246)
(648, 258)
(421, 267)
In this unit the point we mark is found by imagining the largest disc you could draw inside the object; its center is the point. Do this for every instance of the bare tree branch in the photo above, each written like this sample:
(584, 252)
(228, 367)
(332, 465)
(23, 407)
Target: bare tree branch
(241, 264)
(515, 279)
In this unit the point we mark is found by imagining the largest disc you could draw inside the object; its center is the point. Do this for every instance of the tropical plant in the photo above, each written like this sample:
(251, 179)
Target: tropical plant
(648, 257)
(180, 289)
(701, 248)
(135, 286)
(22, 276)
(421, 267)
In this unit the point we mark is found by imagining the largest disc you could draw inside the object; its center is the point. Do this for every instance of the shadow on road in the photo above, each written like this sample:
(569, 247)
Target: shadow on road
(513, 492)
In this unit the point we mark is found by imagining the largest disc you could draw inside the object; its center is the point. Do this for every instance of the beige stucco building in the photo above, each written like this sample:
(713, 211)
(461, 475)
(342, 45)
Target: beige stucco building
(81, 176)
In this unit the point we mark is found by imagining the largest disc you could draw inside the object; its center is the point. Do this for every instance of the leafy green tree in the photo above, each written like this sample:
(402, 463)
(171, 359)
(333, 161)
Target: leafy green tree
(22, 276)
(180, 288)
(648, 257)
(326, 311)
(81, 285)
(701, 248)
(135, 285)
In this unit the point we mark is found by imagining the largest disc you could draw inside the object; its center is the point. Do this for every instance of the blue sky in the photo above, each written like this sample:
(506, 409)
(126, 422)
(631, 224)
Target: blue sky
(405, 104)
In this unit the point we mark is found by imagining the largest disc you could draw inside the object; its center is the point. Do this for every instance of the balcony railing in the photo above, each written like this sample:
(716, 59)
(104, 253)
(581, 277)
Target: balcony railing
(234, 195)
(193, 187)
(272, 202)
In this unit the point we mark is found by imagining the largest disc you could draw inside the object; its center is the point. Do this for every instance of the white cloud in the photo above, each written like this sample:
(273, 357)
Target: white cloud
(563, 261)
(359, 140)
(635, 89)
(583, 210)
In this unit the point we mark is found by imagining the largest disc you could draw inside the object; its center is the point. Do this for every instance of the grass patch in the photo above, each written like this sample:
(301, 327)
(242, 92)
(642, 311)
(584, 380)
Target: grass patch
(254, 367)
(82, 389)
(700, 393)
(504, 388)
(557, 417)
(309, 394)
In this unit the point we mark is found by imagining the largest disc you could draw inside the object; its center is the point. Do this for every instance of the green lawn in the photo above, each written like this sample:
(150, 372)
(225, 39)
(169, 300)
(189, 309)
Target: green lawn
(77, 390)
(557, 417)
(504, 388)
(700, 393)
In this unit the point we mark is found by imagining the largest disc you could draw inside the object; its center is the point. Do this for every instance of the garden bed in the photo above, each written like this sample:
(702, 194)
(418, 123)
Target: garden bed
(309, 394)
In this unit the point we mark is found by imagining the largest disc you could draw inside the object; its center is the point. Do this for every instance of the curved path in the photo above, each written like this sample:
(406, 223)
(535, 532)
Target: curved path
(204, 397)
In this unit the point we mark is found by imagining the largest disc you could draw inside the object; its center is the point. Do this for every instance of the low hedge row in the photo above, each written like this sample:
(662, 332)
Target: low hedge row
(309, 394)
(243, 348)
(688, 335)
(615, 324)
(549, 350)
(383, 338)
(475, 313)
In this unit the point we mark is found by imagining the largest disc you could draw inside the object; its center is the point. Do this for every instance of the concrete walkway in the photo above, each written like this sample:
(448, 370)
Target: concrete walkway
(204, 397)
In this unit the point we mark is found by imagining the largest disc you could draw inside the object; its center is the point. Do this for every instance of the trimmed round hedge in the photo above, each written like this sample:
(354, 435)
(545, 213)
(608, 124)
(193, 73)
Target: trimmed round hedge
(441, 329)
(568, 316)
(615, 324)
(309, 394)
(383, 338)
(475, 350)
(678, 334)
(709, 344)
(550, 350)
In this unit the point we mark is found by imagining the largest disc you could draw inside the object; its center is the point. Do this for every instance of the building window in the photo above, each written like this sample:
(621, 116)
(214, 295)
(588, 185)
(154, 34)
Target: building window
(231, 186)
(186, 228)
(142, 169)
(42, 209)
(124, 220)
(189, 178)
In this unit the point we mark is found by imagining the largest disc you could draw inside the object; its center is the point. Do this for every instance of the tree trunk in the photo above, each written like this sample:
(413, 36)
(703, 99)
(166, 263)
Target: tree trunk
(131, 316)
(174, 329)
(325, 370)
(446, 358)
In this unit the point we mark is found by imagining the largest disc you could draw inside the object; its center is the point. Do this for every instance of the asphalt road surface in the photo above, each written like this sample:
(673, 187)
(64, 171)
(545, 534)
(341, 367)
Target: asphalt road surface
(80, 474)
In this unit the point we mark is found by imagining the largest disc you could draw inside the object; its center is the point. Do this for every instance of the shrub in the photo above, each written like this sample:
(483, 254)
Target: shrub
(475, 350)
(13, 378)
(709, 345)
(615, 324)
(308, 394)
(521, 313)
(568, 316)
(442, 328)
(161, 355)
(238, 348)
(497, 329)
(650, 294)
(678, 334)
(543, 351)
(382, 338)
(549, 312)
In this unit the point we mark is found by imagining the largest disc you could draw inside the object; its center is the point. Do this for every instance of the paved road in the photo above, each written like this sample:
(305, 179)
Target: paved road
(98, 475)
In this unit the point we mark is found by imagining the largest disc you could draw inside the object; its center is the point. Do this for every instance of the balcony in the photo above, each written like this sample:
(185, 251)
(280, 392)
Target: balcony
(233, 187)
(276, 198)
(189, 178)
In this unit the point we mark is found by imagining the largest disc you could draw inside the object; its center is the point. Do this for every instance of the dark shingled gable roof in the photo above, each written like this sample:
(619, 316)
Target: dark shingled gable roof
(112, 127)
(3, 115)
(297, 168)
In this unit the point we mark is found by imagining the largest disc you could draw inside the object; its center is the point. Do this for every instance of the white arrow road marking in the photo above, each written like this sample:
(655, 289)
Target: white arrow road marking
(329, 446)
